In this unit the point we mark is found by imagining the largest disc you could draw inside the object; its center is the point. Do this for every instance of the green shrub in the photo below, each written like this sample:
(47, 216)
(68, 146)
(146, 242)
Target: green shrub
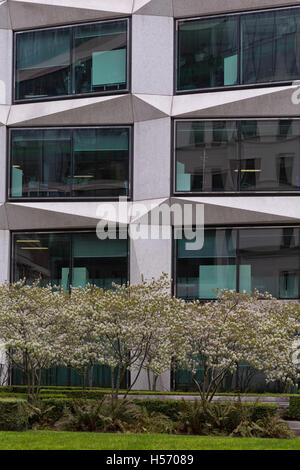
(169, 408)
(230, 418)
(262, 410)
(271, 427)
(90, 394)
(100, 415)
(13, 415)
(294, 408)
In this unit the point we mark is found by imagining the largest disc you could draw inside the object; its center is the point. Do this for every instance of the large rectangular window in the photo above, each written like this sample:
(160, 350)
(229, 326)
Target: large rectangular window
(237, 156)
(267, 259)
(70, 162)
(74, 60)
(240, 49)
(65, 259)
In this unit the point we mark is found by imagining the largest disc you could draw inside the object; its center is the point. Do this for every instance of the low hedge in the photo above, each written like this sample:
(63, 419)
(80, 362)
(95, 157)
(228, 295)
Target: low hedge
(171, 408)
(294, 408)
(12, 416)
(15, 415)
(90, 394)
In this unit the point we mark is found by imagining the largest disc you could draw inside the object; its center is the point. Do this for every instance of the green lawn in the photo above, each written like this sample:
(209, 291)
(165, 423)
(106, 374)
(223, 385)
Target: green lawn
(50, 440)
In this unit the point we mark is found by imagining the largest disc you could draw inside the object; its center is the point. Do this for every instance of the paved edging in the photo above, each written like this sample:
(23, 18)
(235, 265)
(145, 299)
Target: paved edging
(279, 401)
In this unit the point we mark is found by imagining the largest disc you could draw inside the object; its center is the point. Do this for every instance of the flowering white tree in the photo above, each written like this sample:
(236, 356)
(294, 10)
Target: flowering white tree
(83, 346)
(32, 329)
(128, 328)
(236, 327)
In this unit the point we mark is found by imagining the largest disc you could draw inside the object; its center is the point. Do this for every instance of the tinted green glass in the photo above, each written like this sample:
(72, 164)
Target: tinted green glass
(208, 53)
(270, 155)
(100, 57)
(224, 156)
(206, 156)
(65, 259)
(101, 162)
(272, 260)
(41, 256)
(40, 163)
(74, 60)
(270, 46)
(240, 49)
(43, 60)
(201, 272)
(266, 259)
(63, 163)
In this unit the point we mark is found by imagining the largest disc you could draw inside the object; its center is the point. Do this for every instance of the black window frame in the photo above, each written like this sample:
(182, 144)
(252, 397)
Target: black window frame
(237, 193)
(130, 128)
(229, 87)
(127, 90)
(238, 228)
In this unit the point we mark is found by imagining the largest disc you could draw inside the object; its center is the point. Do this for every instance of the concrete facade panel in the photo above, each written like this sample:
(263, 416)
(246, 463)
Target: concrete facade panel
(186, 8)
(5, 66)
(152, 50)
(4, 255)
(152, 163)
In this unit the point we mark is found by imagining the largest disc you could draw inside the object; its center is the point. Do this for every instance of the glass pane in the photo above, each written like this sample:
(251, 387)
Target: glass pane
(40, 163)
(101, 162)
(45, 256)
(100, 57)
(206, 156)
(201, 272)
(208, 53)
(98, 262)
(270, 261)
(270, 46)
(43, 63)
(270, 155)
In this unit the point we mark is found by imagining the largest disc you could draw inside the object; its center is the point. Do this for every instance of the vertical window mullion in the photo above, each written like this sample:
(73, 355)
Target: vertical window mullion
(72, 65)
(238, 260)
(71, 261)
(42, 162)
(239, 154)
(239, 28)
(71, 161)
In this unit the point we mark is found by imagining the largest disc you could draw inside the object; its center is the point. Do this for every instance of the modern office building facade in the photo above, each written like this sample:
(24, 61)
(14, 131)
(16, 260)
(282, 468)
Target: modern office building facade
(160, 102)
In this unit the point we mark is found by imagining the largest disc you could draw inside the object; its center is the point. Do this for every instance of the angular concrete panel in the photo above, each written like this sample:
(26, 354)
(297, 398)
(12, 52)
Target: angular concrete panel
(150, 258)
(6, 42)
(4, 256)
(2, 164)
(152, 54)
(5, 22)
(257, 102)
(160, 102)
(93, 111)
(143, 111)
(24, 217)
(152, 150)
(246, 210)
(189, 8)
(4, 113)
(153, 7)
(29, 14)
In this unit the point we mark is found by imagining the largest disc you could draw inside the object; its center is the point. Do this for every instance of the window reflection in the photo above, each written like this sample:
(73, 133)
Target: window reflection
(266, 259)
(231, 156)
(74, 60)
(63, 163)
(241, 49)
(65, 259)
